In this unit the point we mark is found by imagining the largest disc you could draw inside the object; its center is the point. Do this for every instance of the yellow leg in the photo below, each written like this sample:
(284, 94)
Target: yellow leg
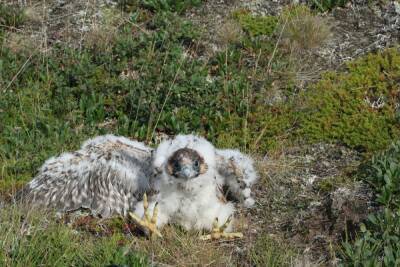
(146, 222)
(218, 232)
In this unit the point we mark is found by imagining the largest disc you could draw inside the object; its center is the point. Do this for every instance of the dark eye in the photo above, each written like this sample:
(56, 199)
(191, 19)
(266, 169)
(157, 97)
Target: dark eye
(177, 166)
(196, 163)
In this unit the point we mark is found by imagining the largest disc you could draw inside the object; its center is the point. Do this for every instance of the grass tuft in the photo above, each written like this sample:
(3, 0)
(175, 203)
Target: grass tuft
(268, 252)
(303, 30)
(34, 239)
(327, 5)
(11, 17)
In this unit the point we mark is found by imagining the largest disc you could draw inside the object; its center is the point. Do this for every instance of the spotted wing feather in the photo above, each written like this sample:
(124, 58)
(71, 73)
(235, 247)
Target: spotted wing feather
(236, 172)
(107, 175)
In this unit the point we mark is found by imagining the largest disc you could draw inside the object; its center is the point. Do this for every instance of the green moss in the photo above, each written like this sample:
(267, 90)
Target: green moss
(326, 185)
(332, 183)
(339, 107)
(256, 25)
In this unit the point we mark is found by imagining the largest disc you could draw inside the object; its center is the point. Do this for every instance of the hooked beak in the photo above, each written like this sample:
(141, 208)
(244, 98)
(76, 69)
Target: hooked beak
(187, 172)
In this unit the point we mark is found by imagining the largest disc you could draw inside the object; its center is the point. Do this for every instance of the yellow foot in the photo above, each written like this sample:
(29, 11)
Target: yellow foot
(147, 223)
(218, 232)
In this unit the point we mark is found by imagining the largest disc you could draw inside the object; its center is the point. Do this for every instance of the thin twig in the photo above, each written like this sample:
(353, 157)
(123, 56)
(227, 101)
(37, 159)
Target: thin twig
(166, 98)
(276, 46)
(250, 96)
(19, 71)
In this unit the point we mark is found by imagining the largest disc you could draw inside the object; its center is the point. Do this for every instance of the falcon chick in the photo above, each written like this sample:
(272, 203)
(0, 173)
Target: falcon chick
(187, 179)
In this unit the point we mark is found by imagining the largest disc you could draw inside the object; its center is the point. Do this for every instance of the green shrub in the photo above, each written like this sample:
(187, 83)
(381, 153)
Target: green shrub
(159, 6)
(383, 173)
(345, 106)
(256, 25)
(379, 239)
(170, 5)
(326, 5)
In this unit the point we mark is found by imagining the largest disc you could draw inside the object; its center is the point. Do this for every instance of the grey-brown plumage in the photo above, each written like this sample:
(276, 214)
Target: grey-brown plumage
(107, 175)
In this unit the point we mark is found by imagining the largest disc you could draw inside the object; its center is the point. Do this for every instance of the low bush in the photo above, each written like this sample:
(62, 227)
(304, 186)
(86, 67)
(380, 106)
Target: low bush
(378, 241)
(179, 6)
(356, 107)
(256, 25)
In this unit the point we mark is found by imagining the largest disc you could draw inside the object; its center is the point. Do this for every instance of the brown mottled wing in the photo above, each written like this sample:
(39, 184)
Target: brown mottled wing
(107, 175)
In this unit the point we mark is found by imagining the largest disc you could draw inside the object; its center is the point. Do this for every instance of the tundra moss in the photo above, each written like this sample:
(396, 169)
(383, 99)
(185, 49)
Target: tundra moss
(357, 107)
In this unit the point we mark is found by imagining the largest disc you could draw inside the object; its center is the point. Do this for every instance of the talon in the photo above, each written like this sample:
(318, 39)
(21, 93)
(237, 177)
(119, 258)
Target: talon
(155, 213)
(215, 223)
(218, 232)
(225, 225)
(146, 222)
(146, 207)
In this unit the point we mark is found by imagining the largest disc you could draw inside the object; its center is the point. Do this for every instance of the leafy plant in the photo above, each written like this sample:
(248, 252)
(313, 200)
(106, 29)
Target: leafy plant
(383, 173)
(256, 25)
(379, 239)
(170, 5)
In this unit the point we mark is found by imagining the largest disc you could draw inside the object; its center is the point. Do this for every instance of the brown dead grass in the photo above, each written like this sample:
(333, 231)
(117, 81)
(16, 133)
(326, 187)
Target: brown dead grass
(303, 33)
(180, 248)
(230, 33)
(104, 33)
(304, 30)
(20, 43)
